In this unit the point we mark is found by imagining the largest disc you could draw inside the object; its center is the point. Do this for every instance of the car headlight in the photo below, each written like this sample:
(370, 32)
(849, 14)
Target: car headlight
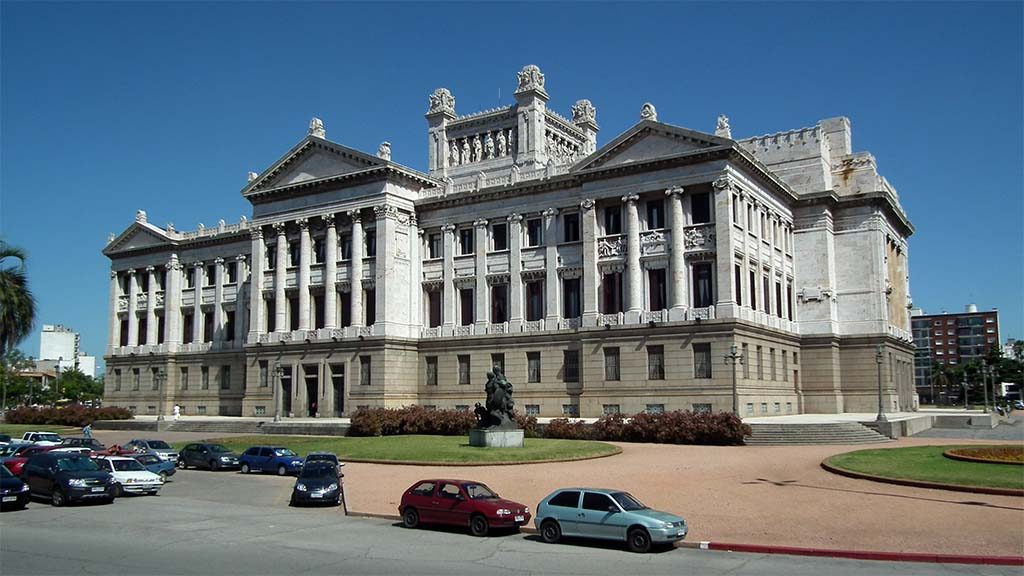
(300, 487)
(129, 481)
(669, 525)
(332, 487)
(526, 510)
(24, 487)
(225, 458)
(503, 512)
(76, 482)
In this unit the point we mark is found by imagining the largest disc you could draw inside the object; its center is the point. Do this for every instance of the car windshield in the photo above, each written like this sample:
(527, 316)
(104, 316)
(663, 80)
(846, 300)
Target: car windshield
(161, 445)
(7, 450)
(218, 448)
(627, 501)
(127, 466)
(5, 473)
(479, 492)
(47, 438)
(318, 472)
(76, 465)
(284, 452)
(321, 458)
(148, 459)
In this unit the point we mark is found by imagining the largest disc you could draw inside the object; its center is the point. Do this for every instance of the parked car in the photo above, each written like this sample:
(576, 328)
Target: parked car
(606, 515)
(158, 447)
(17, 461)
(13, 492)
(4, 439)
(41, 438)
(65, 478)
(81, 450)
(318, 482)
(96, 448)
(270, 459)
(1018, 405)
(207, 455)
(153, 463)
(460, 503)
(130, 476)
(323, 456)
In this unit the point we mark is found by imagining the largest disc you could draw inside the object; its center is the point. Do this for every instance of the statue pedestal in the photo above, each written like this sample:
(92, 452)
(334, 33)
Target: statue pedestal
(496, 438)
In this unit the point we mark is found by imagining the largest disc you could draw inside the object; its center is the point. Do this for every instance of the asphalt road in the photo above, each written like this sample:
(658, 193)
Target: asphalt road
(225, 523)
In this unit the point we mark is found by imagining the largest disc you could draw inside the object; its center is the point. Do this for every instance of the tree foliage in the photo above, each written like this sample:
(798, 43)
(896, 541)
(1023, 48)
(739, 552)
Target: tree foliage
(17, 305)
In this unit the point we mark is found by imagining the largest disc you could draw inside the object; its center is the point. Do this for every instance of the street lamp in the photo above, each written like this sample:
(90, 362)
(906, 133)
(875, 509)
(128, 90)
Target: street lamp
(278, 374)
(732, 358)
(964, 384)
(161, 378)
(878, 360)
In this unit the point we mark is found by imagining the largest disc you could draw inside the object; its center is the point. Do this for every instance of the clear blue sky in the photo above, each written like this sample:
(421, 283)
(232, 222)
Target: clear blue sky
(108, 108)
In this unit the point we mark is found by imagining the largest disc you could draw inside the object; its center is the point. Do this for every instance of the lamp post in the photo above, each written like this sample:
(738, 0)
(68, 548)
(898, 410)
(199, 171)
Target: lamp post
(161, 378)
(56, 382)
(732, 358)
(984, 382)
(878, 360)
(964, 384)
(278, 374)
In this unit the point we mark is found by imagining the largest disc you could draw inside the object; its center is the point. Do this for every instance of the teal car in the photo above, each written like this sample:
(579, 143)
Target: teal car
(606, 515)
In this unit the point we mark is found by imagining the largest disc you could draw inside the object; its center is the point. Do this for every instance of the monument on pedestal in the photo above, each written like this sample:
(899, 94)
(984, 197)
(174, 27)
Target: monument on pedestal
(496, 422)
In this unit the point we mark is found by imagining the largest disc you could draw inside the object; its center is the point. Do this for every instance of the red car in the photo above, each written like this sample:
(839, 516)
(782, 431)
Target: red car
(17, 461)
(460, 503)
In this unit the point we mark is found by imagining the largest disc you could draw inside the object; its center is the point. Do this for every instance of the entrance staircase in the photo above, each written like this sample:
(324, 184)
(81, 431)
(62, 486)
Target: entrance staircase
(825, 433)
(216, 426)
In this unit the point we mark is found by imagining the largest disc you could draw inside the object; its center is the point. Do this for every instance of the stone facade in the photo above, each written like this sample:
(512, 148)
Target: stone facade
(602, 279)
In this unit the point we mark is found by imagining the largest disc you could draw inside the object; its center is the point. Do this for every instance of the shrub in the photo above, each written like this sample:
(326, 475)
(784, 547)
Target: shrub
(610, 427)
(410, 420)
(567, 430)
(528, 424)
(678, 427)
(74, 415)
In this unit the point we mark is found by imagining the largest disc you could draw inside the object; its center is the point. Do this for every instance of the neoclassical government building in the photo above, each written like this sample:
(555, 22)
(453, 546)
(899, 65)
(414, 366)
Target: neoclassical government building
(602, 278)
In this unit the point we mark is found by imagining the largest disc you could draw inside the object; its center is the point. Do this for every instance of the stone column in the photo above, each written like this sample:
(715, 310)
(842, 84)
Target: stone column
(133, 310)
(551, 281)
(259, 258)
(240, 277)
(197, 304)
(677, 261)
(330, 273)
(280, 277)
(448, 296)
(515, 276)
(483, 315)
(172, 304)
(634, 281)
(218, 300)
(591, 275)
(356, 269)
(115, 321)
(416, 318)
(725, 283)
(305, 255)
(151, 306)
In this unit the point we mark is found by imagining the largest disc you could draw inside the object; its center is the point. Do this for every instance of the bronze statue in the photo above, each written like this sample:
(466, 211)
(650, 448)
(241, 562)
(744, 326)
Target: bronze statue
(497, 413)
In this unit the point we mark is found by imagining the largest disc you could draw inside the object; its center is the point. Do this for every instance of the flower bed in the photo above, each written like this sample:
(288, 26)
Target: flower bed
(988, 454)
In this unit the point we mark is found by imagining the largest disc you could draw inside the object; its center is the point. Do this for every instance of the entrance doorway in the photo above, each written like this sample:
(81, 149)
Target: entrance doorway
(311, 375)
(338, 389)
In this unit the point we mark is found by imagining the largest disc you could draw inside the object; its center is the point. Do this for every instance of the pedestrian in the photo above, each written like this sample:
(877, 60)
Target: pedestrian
(176, 411)
(87, 430)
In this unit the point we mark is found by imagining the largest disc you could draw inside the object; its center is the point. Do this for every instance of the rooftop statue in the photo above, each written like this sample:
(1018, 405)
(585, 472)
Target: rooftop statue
(497, 413)
(316, 128)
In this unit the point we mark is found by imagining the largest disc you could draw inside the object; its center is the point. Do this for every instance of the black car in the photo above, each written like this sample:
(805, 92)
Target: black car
(13, 492)
(207, 455)
(5, 439)
(67, 477)
(80, 442)
(318, 483)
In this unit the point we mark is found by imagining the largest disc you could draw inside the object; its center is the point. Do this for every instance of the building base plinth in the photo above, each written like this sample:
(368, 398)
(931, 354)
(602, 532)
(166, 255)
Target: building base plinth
(496, 438)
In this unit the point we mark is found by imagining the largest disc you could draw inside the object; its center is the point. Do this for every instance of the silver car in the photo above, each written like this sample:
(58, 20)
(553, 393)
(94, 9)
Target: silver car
(162, 449)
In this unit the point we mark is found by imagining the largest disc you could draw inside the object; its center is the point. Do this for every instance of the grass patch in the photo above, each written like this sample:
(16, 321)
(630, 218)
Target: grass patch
(927, 463)
(16, 430)
(416, 448)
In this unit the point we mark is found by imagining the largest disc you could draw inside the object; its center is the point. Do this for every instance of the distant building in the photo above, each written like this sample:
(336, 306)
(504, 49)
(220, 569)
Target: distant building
(951, 339)
(60, 345)
(1008, 348)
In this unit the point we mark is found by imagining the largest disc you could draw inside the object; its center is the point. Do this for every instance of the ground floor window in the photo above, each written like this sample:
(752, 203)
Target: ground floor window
(533, 409)
(201, 410)
(609, 409)
(571, 410)
(260, 410)
(655, 409)
(702, 407)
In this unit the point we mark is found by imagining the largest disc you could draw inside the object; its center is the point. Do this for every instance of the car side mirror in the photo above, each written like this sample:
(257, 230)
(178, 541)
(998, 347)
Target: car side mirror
(612, 509)
(460, 497)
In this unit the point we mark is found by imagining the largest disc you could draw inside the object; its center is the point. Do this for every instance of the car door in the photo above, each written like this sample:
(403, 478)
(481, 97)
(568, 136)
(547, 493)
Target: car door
(423, 497)
(191, 454)
(452, 505)
(564, 507)
(265, 459)
(600, 517)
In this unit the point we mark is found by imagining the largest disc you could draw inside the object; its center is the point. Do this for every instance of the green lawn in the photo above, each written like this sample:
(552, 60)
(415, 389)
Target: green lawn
(16, 430)
(928, 464)
(414, 448)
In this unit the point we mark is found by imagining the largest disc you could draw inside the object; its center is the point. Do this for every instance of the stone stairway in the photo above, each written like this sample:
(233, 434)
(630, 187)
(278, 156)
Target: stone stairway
(830, 433)
(216, 426)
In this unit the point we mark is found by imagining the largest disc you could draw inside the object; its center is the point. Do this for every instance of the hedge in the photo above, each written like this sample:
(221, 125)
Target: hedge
(75, 415)
(678, 427)
(420, 420)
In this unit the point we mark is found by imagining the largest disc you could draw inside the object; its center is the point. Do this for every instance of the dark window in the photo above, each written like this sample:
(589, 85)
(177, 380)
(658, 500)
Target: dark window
(658, 289)
(160, 329)
(232, 272)
(466, 241)
(434, 303)
(700, 205)
(498, 361)
(207, 326)
(789, 300)
(264, 374)
(190, 279)
(464, 373)
(571, 227)
(124, 333)
(431, 370)
(293, 254)
(225, 377)
(370, 304)
(702, 292)
(655, 214)
(533, 367)
(318, 251)
(370, 241)
(570, 365)
(655, 362)
(345, 242)
(702, 360)
(318, 309)
(187, 320)
(229, 325)
(613, 220)
(611, 363)
(611, 293)
(293, 313)
(778, 298)
(738, 273)
(467, 304)
(143, 328)
(767, 294)
(346, 310)
(204, 375)
(535, 300)
(534, 232)
(567, 499)
(753, 290)
(595, 501)
(499, 303)
(183, 378)
(571, 305)
(434, 246)
(271, 257)
(364, 371)
(499, 237)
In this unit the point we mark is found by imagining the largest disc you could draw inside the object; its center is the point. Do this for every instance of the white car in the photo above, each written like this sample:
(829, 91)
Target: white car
(131, 476)
(74, 450)
(42, 438)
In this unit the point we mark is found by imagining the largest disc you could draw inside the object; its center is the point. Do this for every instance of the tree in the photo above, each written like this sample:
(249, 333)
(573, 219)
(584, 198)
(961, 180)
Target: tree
(16, 386)
(17, 305)
(76, 386)
(942, 377)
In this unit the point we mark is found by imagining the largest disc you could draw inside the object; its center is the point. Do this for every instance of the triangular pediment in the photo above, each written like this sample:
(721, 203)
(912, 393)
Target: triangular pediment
(650, 140)
(139, 235)
(312, 159)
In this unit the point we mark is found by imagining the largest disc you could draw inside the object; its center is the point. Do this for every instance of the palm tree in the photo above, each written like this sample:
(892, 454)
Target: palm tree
(17, 306)
(943, 376)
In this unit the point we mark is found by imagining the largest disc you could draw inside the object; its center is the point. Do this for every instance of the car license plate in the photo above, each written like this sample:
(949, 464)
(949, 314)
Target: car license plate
(98, 489)
(10, 498)
(316, 495)
(520, 518)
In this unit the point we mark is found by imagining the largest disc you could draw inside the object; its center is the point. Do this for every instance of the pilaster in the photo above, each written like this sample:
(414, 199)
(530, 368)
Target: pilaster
(531, 103)
(590, 271)
(115, 323)
(448, 300)
(305, 254)
(677, 259)
(241, 275)
(515, 277)
(725, 283)
(552, 284)
(280, 277)
(356, 269)
(133, 310)
(218, 301)
(151, 324)
(256, 309)
(330, 273)
(634, 281)
(480, 291)
(197, 304)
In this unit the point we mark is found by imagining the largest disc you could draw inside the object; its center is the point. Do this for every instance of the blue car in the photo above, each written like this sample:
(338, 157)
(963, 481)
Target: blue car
(270, 459)
(157, 465)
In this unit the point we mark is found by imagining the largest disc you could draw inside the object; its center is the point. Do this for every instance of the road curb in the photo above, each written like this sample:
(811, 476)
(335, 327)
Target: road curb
(920, 483)
(866, 554)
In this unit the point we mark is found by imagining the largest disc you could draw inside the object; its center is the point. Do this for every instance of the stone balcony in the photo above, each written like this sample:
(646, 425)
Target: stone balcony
(648, 317)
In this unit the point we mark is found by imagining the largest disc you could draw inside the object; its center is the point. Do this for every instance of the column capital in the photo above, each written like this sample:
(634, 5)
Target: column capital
(550, 212)
(113, 274)
(677, 191)
(448, 228)
(413, 220)
(630, 199)
(385, 211)
(218, 261)
(515, 217)
(480, 222)
(197, 264)
(587, 204)
(723, 183)
(256, 233)
(131, 271)
(240, 258)
(150, 269)
(420, 231)
(303, 223)
(354, 216)
(280, 227)
(328, 219)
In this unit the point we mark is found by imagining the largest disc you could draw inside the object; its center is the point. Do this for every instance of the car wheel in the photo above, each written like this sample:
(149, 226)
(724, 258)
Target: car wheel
(478, 526)
(245, 468)
(550, 531)
(281, 470)
(639, 540)
(163, 475)
(181, 463)
(410, 518)
(117, 491)
(214, 465)
(58, 498)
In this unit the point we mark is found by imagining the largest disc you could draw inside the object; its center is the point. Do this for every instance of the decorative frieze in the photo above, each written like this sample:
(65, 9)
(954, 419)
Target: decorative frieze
(611, 247)
(701, 237)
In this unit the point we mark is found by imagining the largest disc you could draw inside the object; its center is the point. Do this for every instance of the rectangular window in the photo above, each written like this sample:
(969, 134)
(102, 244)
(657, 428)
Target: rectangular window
(571, 410)
(207, 327)
(655, 409)
(318, 251)
(789, 300)
(778, 298)
(498, 361)
(269, 258)
(462, 407)
(611, 293)
(702, 360)
(655, 362)
(611, 363)
(746, 361)
(225, 378)
(703, 295)
(370, 305)
(434, 246)
(570, 366)
(700, 205)
(201, 410)
(270, 316)
(534, 232)
(467, 306)
(293, 313)
(760, 363)
(658, 289)
(571, 298)
(293, 254)
(259, 410)
(533, 367)
(789, 407)
(154, 382)
(767, 295)
(364, 371)
(229, 325)
(613, 220)
(533, 409)
(465, 241)
(753, 290)
(499, 237)
(655, 214)
(535, 300)
(499, 303)
(464, 374)
(771, 361)
(232, 272)
(183, 378)
(190, 280)
(143, 324)
(264, 374)
(204, 378)
(211, 275)
(750, 218)
(764, 407)
(738, 279)
(750, 408)
(736, 209)
(431, 370)
(370, 242)
(702, 407)
(345, 246)
(785, 367)
(434, 303)
(117, 380)
(609, 409)
(124, 333)
(571, 227)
